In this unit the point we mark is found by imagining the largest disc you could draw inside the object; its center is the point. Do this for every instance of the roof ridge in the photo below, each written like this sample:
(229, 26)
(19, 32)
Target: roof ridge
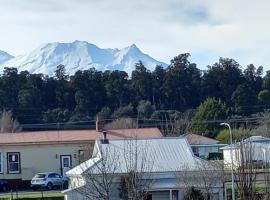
(148, 138)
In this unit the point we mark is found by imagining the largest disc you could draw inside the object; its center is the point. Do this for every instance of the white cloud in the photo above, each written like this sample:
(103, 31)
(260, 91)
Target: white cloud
(161, 28)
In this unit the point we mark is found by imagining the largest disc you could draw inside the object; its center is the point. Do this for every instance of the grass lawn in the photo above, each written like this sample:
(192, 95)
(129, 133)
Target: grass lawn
(260, 188)
(32, 196)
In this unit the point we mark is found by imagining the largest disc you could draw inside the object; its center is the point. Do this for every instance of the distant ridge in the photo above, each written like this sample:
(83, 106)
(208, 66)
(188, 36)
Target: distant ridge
(4, 56)
(78, 55)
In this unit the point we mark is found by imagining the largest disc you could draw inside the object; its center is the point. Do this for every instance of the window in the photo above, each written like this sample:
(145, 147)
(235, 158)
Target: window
(51, 176)
(40, 176)
(57, 176)
(13, 163)
(1, 163)
(195, 150)
(175, 194)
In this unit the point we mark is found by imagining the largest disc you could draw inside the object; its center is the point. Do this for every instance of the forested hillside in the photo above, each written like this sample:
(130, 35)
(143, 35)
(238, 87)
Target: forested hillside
(171, 93)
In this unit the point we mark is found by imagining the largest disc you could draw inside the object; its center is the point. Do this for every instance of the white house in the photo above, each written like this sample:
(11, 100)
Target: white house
(255, 148)
(161, 163)
(204, 147)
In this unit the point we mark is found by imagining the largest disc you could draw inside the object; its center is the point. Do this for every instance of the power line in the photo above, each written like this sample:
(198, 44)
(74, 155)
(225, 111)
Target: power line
(152, 120)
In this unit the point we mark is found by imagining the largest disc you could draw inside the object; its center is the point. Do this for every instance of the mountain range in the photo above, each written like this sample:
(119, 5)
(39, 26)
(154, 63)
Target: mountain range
(78, 55)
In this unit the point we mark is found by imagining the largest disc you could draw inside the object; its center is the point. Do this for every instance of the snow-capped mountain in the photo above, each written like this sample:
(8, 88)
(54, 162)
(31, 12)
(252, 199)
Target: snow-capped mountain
(4, 57)
(80, 55)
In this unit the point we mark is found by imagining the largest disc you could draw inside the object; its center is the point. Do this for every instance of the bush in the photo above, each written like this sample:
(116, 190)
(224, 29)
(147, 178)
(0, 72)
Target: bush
(145, 109)
(193, 194)
(126, 111)
(237, 134)
(105, 113)
(122, 123)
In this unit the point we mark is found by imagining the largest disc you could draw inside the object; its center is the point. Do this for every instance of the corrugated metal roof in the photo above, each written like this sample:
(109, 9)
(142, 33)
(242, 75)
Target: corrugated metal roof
(149, 155)
(259, 141)
(258, 138)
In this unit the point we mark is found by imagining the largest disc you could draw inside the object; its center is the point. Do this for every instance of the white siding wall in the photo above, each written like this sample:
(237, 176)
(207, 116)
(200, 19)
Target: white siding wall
(227, 157)
(75, 195)
(156, 195)
(204, 151)
(161, 195)
(258, 154)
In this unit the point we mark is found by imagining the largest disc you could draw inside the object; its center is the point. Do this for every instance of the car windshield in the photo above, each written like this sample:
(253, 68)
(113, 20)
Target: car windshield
(40, 176)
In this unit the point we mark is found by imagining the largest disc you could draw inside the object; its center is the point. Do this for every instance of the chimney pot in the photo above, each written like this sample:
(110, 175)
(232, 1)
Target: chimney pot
(104, 139)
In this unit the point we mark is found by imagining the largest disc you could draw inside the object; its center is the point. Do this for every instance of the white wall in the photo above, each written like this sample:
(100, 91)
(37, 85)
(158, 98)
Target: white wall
(258, 153)
(205, 150)
(160, 195)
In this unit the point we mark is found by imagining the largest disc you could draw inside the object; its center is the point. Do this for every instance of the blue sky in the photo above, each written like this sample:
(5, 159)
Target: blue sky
(208, 29)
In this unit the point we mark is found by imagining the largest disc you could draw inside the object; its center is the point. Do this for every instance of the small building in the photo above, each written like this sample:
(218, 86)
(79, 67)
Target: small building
(162, 165)
(24, 154)
(205, 147)
(255, 148)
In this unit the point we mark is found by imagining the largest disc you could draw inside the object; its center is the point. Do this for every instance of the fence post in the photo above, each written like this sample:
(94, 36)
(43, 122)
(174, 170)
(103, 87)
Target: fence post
(16, 192)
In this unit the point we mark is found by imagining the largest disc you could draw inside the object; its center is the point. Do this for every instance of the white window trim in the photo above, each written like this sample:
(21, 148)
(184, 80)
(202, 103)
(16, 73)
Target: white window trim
(19, 163)
(2, 163)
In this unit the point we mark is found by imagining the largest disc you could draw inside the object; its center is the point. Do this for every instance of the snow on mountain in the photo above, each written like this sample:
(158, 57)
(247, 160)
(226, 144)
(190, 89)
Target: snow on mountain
(4, 56)
(80, 55)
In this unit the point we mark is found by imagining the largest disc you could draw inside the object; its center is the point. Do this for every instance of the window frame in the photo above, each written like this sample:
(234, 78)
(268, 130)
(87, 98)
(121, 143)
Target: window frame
(1, 163)
(19, 163)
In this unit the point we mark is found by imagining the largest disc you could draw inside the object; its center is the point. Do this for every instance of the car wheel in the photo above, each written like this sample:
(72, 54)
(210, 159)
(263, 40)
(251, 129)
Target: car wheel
(65, 186)
(49, 186)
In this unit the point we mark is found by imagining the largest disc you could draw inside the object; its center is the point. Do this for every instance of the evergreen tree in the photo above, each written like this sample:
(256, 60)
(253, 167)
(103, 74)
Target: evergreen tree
(222, 79)
(158, 77)
(207, 115)
(117, 88)
(244, 100)
(264, 98)
(141, 82)
(182, 84)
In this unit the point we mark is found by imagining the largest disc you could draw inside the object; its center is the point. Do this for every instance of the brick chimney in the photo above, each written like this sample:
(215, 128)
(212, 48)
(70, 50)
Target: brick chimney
(98, 125)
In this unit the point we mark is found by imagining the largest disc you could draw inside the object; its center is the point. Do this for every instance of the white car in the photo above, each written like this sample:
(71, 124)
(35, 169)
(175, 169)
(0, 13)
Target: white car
(49, 180)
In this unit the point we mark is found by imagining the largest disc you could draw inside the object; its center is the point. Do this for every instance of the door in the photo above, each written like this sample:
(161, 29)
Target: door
(65, 164)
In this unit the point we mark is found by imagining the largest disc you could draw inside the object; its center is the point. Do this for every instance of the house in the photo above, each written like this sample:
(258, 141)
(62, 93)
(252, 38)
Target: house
(204, 147)
(254, 148)
(158, 165)
(24, 154)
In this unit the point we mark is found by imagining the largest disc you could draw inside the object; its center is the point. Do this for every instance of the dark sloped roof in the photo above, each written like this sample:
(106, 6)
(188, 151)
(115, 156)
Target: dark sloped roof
(199, 139)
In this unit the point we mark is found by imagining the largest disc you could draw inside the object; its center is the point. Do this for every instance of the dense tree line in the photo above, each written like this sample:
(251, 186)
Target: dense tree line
(179, 88)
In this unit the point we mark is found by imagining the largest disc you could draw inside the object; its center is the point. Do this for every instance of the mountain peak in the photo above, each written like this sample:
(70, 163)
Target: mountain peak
(133, 46)
(80, 55)
(79, 42)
